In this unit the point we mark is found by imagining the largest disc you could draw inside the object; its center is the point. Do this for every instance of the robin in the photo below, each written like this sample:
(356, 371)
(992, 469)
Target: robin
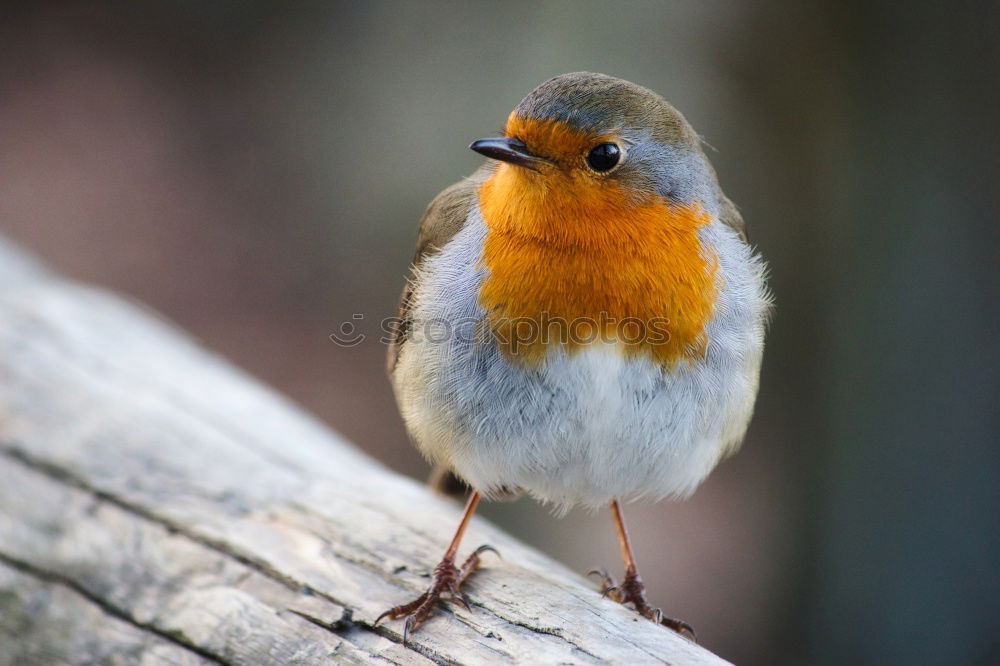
(584, 321)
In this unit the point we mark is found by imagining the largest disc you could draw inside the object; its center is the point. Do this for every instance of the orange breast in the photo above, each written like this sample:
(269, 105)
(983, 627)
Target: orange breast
(573, 260)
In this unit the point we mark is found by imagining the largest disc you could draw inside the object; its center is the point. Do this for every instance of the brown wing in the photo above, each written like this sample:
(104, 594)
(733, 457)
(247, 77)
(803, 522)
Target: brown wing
(443, 218)
(730, 216)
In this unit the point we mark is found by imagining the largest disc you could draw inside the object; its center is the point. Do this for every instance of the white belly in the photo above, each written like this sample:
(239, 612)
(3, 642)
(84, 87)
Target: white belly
(627, 428)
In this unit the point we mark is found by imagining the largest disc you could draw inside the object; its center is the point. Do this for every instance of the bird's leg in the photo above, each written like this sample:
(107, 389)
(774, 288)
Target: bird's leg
(448, 579)
(632, 589)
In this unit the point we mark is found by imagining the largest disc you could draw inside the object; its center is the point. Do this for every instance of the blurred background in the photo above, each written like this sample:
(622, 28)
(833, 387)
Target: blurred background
(256, 171)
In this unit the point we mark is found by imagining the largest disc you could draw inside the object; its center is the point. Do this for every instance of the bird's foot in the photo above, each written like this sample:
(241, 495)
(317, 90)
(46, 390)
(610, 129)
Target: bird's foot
(447, 585)
(633, 591)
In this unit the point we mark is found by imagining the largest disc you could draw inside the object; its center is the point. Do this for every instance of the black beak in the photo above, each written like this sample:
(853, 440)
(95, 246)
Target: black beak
(509, 150)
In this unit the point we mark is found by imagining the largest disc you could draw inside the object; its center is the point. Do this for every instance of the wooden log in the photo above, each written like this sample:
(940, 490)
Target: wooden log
(158, 506)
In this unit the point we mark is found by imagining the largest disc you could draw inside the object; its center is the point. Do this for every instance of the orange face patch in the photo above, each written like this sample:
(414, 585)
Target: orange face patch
(554, 140)
(574, 259)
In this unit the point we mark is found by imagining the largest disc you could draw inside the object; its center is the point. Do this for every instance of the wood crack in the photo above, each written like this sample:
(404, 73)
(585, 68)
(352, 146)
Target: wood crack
(59, 474)
(346, 627)
(548, 631)
(105, 606)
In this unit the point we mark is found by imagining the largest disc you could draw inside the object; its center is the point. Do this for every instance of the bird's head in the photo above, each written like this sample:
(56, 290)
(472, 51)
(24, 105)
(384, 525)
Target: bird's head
(601, 143)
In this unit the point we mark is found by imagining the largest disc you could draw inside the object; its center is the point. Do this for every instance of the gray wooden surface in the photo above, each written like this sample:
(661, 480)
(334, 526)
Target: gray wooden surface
(158, 506)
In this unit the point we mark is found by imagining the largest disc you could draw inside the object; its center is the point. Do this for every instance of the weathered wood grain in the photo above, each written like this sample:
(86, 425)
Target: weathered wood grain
(158, 506)
(44, 622)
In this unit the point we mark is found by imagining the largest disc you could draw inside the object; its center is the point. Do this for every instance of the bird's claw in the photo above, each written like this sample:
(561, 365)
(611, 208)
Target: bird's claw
(609, 590)
(633, 591)
(679, 626)
(446, 585)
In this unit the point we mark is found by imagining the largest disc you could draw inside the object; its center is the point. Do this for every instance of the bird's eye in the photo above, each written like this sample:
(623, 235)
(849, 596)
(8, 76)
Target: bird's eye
(604, 157)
